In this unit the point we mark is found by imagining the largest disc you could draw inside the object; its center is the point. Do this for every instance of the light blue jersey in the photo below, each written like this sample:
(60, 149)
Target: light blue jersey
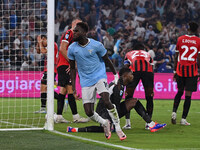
(91, 67)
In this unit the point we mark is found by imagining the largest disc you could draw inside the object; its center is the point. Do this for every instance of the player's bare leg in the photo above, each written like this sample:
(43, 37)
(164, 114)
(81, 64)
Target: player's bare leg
(113, 114)
(72, 103)
(89, 110)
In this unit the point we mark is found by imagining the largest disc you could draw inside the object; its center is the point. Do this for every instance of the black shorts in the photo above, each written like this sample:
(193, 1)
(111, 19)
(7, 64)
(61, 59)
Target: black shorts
(44, 78)
(102, 111)
(147, 80)
(187, 83)
(63, 76)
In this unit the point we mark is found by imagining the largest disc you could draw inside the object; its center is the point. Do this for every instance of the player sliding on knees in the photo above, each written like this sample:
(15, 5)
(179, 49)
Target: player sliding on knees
(91, 58)
(116, 93)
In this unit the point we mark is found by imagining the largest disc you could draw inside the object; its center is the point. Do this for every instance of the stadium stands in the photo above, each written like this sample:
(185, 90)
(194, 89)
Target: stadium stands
(157, 23)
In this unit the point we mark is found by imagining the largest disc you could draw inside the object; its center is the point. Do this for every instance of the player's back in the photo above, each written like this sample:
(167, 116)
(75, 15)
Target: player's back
(140, 60)
(188, 48)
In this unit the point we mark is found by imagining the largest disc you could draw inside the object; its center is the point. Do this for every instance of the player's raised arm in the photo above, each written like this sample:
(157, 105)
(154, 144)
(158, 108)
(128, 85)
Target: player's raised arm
(63, 48)
(111, 66)
(37, 48)
(42, 42)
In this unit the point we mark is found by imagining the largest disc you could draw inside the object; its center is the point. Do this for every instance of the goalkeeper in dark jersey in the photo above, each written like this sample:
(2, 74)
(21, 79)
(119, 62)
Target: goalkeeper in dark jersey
(116, 93)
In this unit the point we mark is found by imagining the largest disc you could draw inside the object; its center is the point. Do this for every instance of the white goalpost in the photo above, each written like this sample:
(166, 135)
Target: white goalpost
(50, 63)
(21, 67)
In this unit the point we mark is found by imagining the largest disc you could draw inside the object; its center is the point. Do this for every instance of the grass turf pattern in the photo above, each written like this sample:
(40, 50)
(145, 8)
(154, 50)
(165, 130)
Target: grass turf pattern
(171, 137)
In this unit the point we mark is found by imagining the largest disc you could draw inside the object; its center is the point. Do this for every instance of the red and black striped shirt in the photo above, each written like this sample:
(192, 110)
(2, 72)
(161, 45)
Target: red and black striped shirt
(67, 37)
(188, 48)
(140, 60)
(55, 59)
(187, 71)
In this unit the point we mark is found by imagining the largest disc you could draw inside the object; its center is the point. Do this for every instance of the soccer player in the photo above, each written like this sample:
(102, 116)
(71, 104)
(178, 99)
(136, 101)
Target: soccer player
(91, 58)
(42, 48)
(116, 93)
(64, 79)
(141, 63)
(186, 70)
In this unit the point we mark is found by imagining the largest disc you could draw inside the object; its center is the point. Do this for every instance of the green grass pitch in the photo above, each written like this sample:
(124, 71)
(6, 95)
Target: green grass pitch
(171, 137)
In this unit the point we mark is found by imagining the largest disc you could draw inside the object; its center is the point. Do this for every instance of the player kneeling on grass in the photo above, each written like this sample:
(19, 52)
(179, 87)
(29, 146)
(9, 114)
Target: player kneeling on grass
(116, 93)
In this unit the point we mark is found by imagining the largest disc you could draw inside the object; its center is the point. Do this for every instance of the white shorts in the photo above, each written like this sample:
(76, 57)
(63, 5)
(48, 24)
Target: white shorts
(89, 93)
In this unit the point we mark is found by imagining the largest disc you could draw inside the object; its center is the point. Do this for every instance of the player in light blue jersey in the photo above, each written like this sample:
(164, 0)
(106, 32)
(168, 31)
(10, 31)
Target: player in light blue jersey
(91, 58)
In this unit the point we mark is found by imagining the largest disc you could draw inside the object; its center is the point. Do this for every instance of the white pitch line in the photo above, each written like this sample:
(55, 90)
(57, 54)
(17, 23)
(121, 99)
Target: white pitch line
(29, 127)
(11, 123)
(95, 141)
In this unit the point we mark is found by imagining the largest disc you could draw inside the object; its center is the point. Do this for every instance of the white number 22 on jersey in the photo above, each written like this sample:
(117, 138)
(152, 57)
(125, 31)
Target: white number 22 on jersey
(186, 49)
(136, 53)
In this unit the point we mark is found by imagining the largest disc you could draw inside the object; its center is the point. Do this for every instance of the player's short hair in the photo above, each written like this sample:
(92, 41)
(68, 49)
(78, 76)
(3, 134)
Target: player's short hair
(193, 27)
(83, 25)
(138, 46)
(43, 36)
(124, 70)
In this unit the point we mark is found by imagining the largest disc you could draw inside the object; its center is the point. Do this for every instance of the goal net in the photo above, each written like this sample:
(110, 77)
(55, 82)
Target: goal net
(21, 67)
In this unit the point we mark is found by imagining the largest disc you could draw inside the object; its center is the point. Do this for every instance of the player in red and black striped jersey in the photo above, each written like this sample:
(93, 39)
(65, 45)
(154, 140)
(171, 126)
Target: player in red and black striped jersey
(186, 70)
(64, 80)
(42, 48)
(141, 63)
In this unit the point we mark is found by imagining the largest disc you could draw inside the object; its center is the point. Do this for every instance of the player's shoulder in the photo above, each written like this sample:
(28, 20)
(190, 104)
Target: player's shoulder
(95, 42)
(143, 51)
(69, 31)
(72, 46)
(186, 36)
(129, 53)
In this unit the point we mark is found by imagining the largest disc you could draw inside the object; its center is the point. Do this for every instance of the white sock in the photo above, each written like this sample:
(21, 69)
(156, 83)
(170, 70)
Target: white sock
(59, 116)
(151, 124)
(98, 119)
(115, 118)
(76, 129)
(128, 122)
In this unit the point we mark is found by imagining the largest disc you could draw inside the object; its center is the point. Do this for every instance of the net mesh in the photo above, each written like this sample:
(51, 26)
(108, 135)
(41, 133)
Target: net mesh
(21, 67)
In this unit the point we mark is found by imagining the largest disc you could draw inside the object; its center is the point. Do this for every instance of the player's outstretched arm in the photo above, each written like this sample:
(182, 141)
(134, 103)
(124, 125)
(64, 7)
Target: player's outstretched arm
(111, 66)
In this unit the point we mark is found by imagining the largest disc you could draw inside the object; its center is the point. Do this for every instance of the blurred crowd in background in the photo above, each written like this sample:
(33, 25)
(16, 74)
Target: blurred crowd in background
(118, 24)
